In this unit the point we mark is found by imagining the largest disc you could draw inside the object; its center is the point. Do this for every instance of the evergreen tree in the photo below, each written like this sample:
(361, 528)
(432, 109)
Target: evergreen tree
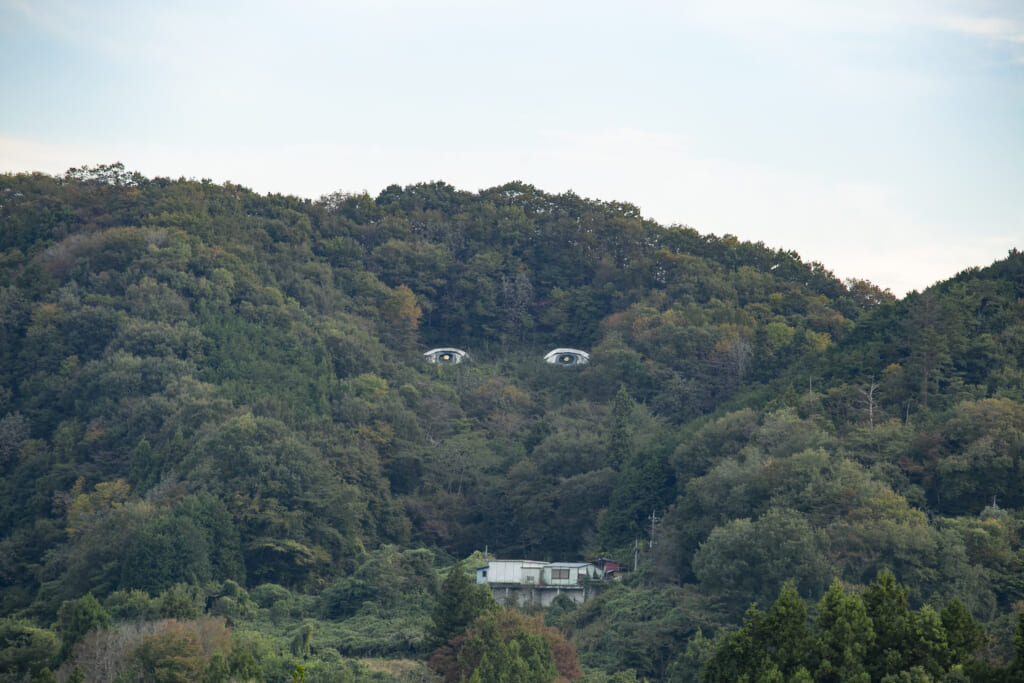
(506, 653)
(1016, 668)
(486, 655)
(928, 638)
(738, 655)
(459, 602)
(886, 604)
(784, 632)
(78, 617)
(964, 635)
(620, 439)
(775, 646)
(645, 484)
(844, 634)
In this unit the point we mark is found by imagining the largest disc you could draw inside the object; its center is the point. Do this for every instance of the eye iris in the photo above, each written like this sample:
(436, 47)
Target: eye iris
(445, 356)
(567, 358)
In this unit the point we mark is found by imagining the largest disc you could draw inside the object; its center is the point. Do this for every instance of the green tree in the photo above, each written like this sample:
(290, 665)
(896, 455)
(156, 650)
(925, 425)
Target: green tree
(217, 670)
(26, 650)
(459, 602)
(620, 438)
(785, 633)
(747, 561)
(984, 455)
(645, 484)
(169, 549)
(930, 649)
(177, 603)
(44, 676)
(485, 657)
(1017, 666)
(930, 336)
(738, 655)
(886, 603)
(211, 517)
(301, 641)
(964, 635)
(78, 617)
(772, 646)
(844, 635)
(244, 665)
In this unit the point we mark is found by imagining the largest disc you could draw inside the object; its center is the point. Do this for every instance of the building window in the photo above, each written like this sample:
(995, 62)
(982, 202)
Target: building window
(559, 573)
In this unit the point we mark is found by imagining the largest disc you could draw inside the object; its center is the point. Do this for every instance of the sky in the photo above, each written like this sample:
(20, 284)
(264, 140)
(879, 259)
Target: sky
(883, 139)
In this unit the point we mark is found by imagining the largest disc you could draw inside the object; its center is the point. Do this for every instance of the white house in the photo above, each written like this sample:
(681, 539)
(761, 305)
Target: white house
(511, 571)
(568, 573)
(522, 582)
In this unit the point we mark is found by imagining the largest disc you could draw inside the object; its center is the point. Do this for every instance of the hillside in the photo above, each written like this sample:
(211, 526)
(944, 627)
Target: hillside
(210, 395)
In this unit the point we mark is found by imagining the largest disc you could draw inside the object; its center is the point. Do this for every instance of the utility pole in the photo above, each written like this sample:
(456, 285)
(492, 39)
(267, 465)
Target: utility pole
(636, 552)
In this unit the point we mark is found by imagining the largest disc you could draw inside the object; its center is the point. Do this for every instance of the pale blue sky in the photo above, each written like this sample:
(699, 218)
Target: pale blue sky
(884, 139)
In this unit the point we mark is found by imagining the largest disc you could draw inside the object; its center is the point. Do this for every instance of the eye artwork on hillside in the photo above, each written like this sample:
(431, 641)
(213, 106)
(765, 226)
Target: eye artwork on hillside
(560, 356)
(445, 356)
(567, 357)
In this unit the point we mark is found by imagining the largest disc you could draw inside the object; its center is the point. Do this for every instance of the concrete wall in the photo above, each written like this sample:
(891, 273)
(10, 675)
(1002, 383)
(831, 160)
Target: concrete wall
(522, 596)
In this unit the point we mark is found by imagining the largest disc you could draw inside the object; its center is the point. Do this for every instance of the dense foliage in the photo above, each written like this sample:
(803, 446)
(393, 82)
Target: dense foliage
(222, 454)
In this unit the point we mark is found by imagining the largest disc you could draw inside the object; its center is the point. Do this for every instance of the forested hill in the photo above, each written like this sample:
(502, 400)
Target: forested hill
(209, 393)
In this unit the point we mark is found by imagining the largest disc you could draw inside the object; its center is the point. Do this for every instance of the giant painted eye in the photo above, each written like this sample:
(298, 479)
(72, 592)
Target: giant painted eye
(567, 357)
(445, 356)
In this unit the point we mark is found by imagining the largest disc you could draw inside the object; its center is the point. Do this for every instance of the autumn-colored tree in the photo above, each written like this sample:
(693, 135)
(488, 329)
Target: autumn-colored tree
(172, 655)
(401, 315)
(510, 646)
(149, 646)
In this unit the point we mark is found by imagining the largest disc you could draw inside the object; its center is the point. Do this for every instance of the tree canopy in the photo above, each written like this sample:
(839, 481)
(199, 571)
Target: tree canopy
(213, 404)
